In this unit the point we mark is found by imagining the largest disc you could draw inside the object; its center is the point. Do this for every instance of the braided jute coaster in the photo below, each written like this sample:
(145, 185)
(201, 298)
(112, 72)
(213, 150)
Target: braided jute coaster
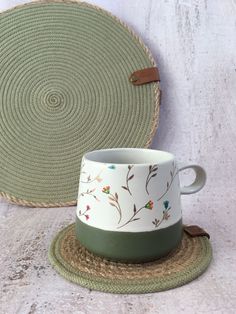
(65, 89)
(75, 263)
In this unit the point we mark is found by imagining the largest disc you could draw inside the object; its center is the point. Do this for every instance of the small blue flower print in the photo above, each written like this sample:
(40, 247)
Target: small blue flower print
(166, 204)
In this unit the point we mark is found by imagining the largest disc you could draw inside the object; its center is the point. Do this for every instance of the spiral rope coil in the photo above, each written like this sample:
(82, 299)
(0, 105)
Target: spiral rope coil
(72, 261)
(64, 90)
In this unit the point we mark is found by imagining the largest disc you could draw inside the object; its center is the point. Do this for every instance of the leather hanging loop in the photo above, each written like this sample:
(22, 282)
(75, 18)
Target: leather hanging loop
(145, 76)
(196, 231)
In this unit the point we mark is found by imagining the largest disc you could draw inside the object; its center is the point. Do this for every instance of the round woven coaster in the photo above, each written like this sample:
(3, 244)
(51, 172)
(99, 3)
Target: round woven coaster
(65, 90)
(78, 265)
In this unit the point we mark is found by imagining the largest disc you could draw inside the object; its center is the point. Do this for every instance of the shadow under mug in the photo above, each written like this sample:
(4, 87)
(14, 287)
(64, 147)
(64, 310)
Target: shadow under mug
(129, 206)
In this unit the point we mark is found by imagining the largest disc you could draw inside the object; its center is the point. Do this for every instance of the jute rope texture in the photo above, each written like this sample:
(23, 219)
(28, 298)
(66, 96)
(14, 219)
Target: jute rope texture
(76, 264)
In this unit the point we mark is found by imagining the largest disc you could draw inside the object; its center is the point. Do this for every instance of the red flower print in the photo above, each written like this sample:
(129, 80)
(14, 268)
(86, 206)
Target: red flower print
(85, 212)
(106, 189)
(149, 205)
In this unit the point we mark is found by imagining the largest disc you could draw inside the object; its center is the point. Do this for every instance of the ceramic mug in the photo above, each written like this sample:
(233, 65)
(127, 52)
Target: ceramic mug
(129, 206)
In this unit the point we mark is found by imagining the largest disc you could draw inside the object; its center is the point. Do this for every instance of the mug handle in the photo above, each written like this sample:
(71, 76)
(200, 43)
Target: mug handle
(199, 181)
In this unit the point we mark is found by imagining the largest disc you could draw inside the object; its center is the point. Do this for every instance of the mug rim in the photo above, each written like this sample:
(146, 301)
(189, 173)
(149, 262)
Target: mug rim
(170, 157)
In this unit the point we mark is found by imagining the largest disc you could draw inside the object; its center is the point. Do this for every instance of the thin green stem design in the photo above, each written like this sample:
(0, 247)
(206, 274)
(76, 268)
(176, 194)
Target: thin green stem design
(148, 205)
(173, 174)
(90, 180)
(152, 173)
(114, 202)
(128, 178)
(90, 193)
(132, 218)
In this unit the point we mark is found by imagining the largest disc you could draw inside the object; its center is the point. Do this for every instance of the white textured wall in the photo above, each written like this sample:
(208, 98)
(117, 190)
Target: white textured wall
(194, 43)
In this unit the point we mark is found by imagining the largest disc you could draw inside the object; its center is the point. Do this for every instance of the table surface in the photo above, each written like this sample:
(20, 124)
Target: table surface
(194, 44)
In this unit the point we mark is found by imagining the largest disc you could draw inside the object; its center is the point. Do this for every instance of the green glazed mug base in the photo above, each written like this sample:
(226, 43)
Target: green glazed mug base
(131, 247)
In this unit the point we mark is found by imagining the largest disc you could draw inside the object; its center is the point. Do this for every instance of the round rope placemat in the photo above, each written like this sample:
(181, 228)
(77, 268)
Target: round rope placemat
(65, 90)
(75, 263)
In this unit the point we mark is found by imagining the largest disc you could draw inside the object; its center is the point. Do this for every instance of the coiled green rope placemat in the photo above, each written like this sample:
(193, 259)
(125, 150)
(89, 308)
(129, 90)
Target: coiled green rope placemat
(65, 90)
(75, 263)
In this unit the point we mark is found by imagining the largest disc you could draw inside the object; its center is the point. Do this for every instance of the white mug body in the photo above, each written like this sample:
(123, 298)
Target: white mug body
(128, 193)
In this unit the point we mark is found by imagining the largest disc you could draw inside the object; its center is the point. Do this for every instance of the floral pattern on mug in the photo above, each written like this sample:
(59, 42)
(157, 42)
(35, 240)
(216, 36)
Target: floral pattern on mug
(89, 193)
(132, 197)
(106, 189)
(151, 174)
(148, 205)
(128, 178)
(85, 212)
(165, 215)
(90, 179)
(173, 174)
(113, 200)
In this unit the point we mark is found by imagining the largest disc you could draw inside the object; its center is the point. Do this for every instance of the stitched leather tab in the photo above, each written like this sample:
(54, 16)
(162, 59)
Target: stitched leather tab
(196, 231)
(145, 76)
